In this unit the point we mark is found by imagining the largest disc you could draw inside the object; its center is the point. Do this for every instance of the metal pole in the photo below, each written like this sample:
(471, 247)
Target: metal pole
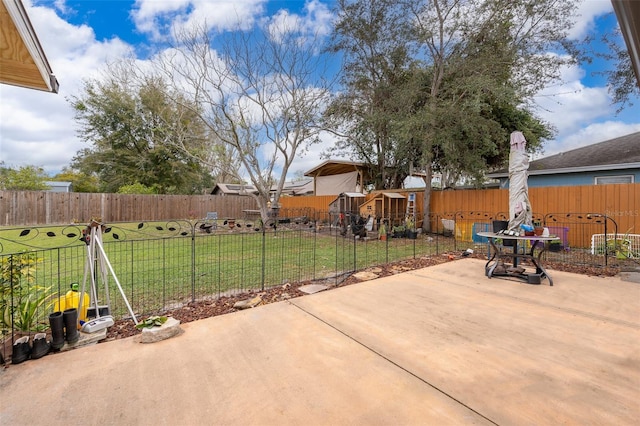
(115, 278)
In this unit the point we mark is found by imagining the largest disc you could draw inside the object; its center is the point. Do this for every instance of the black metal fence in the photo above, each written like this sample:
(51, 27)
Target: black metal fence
(158, 266)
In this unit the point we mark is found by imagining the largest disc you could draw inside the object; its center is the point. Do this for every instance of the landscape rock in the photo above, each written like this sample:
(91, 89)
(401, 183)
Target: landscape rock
(248, 303)
(365, 275)
(156, 334)
(312, 288)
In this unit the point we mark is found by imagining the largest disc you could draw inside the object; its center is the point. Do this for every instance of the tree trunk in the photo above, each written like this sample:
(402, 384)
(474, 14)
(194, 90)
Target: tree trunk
(426, 200)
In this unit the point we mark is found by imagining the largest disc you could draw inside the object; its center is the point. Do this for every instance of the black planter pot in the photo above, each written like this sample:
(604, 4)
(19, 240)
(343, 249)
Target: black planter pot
(555, 247)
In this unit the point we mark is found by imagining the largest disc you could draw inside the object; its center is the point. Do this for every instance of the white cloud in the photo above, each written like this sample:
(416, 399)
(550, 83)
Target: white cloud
(588, 11)
(160, 19)
(594, 133)
(572, 107)
(316, 20)
(37, 128)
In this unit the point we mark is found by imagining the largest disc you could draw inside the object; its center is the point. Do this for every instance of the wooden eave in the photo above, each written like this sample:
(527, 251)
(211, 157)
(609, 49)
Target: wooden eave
(22, 59)
(628, 14)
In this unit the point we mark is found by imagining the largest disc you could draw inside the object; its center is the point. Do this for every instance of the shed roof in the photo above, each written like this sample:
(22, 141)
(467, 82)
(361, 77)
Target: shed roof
(335, 167)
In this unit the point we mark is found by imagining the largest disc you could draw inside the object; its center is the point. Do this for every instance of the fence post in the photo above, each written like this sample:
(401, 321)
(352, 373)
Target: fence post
(264, 249)
(193, 262)
(354, 253)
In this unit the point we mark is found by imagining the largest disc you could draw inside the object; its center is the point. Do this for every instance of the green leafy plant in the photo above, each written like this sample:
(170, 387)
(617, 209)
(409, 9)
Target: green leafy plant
(20, 302)
(622, 247)
(152, 321)
(29, 311)
(410, 223)
(399, 231)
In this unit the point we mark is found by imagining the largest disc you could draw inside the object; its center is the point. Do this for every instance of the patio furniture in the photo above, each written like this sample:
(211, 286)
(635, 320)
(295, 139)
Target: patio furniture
(495, 266)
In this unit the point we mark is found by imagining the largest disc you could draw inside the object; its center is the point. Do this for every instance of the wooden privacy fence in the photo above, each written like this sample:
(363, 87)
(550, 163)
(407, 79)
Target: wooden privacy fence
(42, 208)
(618, 201)
(621, 202)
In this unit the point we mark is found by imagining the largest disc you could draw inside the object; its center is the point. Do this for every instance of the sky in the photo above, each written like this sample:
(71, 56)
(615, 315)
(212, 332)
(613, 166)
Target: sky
(80, 36)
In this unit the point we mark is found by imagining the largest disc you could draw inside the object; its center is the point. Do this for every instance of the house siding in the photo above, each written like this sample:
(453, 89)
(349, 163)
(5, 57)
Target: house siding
(572, 179)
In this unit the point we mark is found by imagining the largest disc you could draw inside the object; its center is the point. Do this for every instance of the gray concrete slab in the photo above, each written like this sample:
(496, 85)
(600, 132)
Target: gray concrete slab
(441, 345)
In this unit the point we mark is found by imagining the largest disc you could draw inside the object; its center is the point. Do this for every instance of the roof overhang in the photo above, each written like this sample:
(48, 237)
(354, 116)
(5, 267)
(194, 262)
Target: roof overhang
(22, 59)
(603, 167)
(628, 13)
(334, 167)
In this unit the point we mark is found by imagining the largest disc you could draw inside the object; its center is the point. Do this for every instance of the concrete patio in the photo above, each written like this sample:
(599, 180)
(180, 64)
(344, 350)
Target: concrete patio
(440, 345)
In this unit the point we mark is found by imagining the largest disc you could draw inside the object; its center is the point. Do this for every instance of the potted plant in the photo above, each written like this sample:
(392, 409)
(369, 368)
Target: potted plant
(399, 231)
(382, 231)
(555, 246)
(538, 229)
(410, 225)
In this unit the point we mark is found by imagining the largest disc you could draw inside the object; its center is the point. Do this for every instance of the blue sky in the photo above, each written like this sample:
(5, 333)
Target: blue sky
(79, 36)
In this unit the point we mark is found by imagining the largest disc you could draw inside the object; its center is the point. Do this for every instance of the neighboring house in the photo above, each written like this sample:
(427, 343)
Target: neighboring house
(55, 186)
(301, 187)
(333, 177)
(233, 189)
(613, 161)
(23, 62)
(298, 188)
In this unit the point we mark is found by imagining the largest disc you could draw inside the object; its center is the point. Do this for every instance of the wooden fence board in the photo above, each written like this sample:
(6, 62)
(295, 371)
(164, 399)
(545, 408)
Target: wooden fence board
(620, 202)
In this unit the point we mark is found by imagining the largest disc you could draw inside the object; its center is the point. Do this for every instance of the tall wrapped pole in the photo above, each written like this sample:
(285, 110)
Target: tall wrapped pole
(519, 204)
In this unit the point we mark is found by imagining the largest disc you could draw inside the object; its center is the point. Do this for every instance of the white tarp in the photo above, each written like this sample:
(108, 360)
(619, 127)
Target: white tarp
(519, 205)
(337, 184)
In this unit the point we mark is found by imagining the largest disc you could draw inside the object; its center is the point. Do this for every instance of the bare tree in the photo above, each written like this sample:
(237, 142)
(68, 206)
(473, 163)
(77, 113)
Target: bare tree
(260, 93)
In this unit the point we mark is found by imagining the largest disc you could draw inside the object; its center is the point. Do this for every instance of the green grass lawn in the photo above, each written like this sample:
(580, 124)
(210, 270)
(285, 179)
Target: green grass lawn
(160, 264)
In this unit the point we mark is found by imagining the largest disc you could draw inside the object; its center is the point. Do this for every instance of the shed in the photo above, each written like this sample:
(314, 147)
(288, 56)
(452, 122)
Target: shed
(233, 189)
(347, 202)
(339, 176)
(59, 186)
(389, 205)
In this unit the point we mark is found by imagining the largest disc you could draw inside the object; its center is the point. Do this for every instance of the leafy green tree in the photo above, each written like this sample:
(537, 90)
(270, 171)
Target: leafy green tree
(136, 188)
(137, 132)
(368, 115)
(440, 84)
(23, 178)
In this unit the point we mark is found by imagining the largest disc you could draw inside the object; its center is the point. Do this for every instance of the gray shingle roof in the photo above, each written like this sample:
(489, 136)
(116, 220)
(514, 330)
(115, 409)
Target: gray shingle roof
(610, 154)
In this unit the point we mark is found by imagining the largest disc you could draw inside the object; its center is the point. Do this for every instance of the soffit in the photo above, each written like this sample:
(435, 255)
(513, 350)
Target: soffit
(22, 60)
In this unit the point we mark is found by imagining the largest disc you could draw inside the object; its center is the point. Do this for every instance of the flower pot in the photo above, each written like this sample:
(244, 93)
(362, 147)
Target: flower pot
(538, 230)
